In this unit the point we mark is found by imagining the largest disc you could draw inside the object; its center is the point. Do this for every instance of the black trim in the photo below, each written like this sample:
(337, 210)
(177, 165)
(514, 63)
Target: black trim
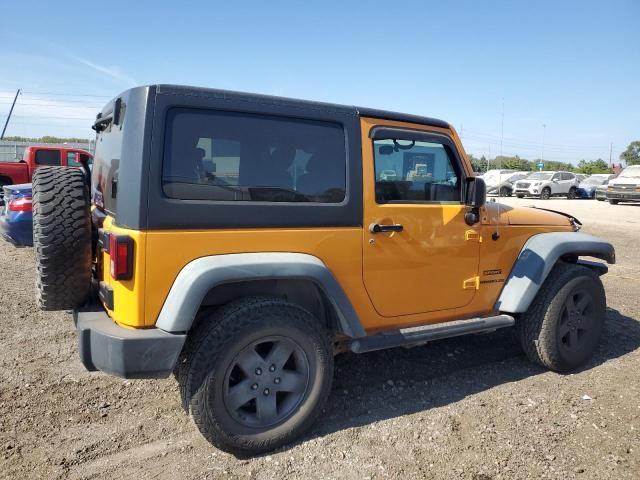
(125, 352)
(105, 294)
(428, 333)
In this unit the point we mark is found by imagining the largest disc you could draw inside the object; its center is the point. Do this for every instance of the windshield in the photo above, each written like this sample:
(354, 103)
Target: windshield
(631, 172)
(593, 181)
(539, 176)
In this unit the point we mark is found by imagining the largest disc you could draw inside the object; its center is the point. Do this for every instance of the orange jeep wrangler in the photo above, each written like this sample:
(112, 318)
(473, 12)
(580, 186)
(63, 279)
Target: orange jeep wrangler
(240, 241)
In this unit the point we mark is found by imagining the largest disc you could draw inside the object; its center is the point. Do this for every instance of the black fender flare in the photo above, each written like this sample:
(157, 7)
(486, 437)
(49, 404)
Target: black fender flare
(538, 256)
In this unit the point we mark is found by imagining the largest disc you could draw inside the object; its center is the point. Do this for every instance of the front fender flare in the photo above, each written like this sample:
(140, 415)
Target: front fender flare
(537, 258)
(201, 275)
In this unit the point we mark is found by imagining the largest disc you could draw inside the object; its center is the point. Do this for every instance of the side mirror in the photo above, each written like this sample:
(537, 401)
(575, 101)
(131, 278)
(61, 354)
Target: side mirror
(476, 192)
(476, 197)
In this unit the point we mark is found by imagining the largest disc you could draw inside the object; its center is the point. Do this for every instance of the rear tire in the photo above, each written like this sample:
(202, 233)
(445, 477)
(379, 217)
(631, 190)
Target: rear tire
(234, 385)
(519, 195)
(572, 193)
(505, 192)
(61, 237)
(562, 327)
(614, 202)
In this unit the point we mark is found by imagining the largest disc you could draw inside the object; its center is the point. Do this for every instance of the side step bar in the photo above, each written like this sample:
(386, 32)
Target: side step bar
(427, 333)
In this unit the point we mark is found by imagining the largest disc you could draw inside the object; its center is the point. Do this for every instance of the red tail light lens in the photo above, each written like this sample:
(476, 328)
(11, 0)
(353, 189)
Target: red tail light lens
(121, 253)
(22, 204)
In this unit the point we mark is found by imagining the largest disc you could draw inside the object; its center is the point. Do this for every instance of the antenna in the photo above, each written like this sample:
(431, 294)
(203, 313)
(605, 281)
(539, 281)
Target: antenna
(496, 234)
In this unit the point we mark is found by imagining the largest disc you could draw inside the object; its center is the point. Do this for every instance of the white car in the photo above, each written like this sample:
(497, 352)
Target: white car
(625, 187)
(547, 184)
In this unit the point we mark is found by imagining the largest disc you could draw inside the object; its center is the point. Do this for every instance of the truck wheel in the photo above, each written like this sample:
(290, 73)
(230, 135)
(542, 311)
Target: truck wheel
(545, 194)
(255, 374)
(572, 193)
(61, 237)
(613, 202)
(562, 327)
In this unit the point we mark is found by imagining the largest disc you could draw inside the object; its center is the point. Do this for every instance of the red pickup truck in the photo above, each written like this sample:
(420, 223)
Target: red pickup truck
(38, 156)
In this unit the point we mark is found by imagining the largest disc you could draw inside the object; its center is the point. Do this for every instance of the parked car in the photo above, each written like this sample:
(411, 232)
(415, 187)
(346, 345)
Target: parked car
(601, 191)
(547, 184)
(625, 187)
(503, 184)
(587, 187)
(263, 279)
(581, 177)
(15, 215)
(12, 173)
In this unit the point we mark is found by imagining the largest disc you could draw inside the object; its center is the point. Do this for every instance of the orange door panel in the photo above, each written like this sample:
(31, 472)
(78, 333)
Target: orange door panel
(432, 264)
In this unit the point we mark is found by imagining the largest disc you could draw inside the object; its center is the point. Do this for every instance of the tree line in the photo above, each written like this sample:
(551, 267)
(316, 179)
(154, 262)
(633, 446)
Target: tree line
(590, 167)
(631, 156)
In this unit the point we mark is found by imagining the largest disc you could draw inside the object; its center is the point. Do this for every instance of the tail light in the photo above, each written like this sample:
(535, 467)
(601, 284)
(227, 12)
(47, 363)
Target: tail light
(22, 204)
(121, 253)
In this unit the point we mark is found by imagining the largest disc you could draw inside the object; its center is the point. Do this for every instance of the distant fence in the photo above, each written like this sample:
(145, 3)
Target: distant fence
(13, 151)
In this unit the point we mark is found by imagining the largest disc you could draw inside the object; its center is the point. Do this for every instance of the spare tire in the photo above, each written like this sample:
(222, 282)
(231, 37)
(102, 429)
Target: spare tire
(61, 237)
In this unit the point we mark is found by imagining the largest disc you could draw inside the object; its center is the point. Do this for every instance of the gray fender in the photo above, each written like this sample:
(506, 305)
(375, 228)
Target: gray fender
(537, 258)
(201, 275)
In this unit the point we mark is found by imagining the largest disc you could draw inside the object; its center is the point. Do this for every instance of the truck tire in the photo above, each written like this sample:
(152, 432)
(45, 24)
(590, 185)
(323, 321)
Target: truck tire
(61, 237)
(255, 374)
(562, 327)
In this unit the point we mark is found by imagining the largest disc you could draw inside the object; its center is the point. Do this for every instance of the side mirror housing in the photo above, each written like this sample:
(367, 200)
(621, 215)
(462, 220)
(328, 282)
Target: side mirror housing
(475, 198)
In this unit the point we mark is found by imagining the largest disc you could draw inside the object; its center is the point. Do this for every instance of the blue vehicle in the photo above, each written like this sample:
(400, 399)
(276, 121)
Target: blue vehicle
(15, 215)
(587, 187)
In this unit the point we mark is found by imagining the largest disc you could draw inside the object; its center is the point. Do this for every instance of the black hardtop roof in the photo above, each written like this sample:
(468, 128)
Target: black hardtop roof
(302, 104)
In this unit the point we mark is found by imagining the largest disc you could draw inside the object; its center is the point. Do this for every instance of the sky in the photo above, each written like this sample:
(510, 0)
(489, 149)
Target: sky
(552, 79)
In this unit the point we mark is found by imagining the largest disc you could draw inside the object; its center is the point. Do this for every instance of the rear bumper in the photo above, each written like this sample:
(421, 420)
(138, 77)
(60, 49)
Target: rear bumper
(125, 352)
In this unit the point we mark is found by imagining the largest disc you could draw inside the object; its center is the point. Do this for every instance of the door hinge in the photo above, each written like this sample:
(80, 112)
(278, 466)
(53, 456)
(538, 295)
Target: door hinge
(471, 283)
(472, 235)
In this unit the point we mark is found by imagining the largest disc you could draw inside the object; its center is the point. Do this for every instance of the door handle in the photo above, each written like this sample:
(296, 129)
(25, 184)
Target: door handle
(377, 228)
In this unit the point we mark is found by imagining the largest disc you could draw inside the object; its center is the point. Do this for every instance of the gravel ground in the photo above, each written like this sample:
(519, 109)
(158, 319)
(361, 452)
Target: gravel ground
(471, 408)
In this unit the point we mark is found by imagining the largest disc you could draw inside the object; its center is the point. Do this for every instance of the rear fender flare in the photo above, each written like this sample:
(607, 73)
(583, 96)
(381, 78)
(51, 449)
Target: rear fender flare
(199, 276)
(538, 256)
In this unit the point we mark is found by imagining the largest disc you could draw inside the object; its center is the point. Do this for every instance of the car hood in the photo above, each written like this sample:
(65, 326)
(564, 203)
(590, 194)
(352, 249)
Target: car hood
(526, 216)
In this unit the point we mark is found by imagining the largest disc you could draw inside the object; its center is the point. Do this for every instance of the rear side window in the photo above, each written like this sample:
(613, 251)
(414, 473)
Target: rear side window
(48, 157)
(225, 156)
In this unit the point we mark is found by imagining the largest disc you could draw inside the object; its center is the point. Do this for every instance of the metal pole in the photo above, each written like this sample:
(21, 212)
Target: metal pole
(9, 116)
(544, 129)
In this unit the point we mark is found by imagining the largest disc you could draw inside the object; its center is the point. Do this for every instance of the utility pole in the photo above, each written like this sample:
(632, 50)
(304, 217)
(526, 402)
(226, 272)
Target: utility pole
(610, 153)
(544, 129)
(9, 116)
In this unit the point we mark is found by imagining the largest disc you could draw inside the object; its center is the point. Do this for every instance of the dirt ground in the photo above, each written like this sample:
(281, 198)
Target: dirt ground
(470, 408)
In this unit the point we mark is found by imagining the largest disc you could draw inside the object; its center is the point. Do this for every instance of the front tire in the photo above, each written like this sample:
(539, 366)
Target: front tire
(519, 195)
(614, 202)
(256, 374)
(505, 192)
(545, 194)
(572, 193)
(562, 327)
